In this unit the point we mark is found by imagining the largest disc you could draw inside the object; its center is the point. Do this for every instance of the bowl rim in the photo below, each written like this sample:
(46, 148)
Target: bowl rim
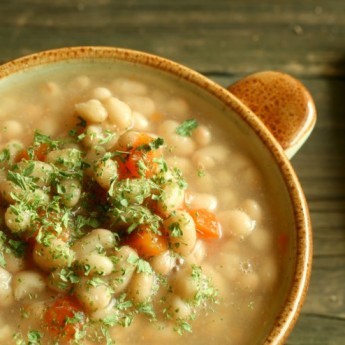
(288, 315)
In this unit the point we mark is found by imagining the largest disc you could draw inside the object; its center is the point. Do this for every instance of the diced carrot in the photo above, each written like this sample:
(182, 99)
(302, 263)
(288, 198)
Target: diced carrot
(146, 242)
(60, 318)
(40, 153)
(156, 117)
(129, 163)
(206, 224)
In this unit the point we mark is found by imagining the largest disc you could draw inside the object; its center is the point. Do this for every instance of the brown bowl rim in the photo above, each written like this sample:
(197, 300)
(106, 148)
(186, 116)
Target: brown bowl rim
(287, 318)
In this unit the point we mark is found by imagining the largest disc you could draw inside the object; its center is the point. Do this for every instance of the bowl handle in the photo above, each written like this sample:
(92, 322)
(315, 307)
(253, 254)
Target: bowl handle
(282, 103)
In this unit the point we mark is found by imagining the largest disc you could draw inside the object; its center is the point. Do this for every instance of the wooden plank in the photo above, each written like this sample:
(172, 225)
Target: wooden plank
(220, 36)
(318, 330)
(322, 321)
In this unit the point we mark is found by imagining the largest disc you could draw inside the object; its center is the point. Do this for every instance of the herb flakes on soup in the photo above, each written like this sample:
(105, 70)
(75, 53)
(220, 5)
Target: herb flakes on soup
(123, 221)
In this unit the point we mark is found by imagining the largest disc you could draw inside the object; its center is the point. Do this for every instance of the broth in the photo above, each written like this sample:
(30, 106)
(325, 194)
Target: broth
(97, 159)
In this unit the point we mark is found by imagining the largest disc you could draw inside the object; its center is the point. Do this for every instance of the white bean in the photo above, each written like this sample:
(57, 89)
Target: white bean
(127, 86)
(119, 113)
(71, 192)
(252, 208)
(79, 83)
(14, 264)
(37, 197)
(182, 163)
(123, 269)
(65, 159)
(140, 287)
(101, 314)
(92, 157)
(261, 239)
(96, 240)
(8, 189)
(12, 129)
(171, 199)
(217, 279)
(204, 182)
(178, 107)
(252, 178)
(127, 140)
(105, 172)
(93, 295)
(140, 122)
(229, 264)
(202, 135)
(236, 223)
(92, 111)
(182, 232)
(27, 284)
(17, 220)
(198, 254)
(101, 93)
(240, 162)
(95, 264)
(179, 309)
(203, 200)
(208, 156)
(179, 145)
(40, 171)
(163, 263)
(97, 135)
(93, 135)
(47, 125)
(6, 296)
(184, 285)
(56, 254)
(51, 88)
(142, 104)
(167, 128)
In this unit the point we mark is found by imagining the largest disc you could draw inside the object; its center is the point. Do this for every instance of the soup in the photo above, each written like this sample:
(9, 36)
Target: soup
(130, 217)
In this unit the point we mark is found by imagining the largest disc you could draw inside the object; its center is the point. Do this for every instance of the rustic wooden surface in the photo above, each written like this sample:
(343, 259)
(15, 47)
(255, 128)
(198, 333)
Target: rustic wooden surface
(225, 40)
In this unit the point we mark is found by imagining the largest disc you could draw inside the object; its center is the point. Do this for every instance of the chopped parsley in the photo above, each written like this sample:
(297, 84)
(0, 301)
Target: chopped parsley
(34, 338)
(126, 204)
(151, 146)
(186, 128)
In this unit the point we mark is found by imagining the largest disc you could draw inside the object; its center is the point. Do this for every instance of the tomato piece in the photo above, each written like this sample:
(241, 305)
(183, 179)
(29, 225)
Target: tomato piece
(40, 153)
(146, 242)
(130, 164)
(61, 319)
(206, 224)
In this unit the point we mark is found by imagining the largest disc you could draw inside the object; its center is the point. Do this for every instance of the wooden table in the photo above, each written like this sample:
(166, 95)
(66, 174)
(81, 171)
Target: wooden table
(225, 40)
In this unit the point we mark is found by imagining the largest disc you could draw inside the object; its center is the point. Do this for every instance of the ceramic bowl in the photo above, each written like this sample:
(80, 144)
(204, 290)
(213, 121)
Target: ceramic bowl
(272, 110)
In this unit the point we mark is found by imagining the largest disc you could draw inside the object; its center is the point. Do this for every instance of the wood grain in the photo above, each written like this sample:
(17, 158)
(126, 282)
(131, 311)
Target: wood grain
(225, 40)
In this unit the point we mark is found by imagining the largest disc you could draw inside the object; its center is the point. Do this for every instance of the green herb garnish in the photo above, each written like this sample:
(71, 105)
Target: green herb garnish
(186, 128)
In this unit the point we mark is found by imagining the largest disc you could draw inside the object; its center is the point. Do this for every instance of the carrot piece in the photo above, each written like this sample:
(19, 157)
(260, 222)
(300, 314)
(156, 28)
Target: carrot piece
(129, 163)
(206, 224)
(61, 319)
(40, 153)
(146, 242)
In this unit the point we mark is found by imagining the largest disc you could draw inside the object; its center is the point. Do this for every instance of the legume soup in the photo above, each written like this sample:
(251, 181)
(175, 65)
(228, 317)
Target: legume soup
(130, 214)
